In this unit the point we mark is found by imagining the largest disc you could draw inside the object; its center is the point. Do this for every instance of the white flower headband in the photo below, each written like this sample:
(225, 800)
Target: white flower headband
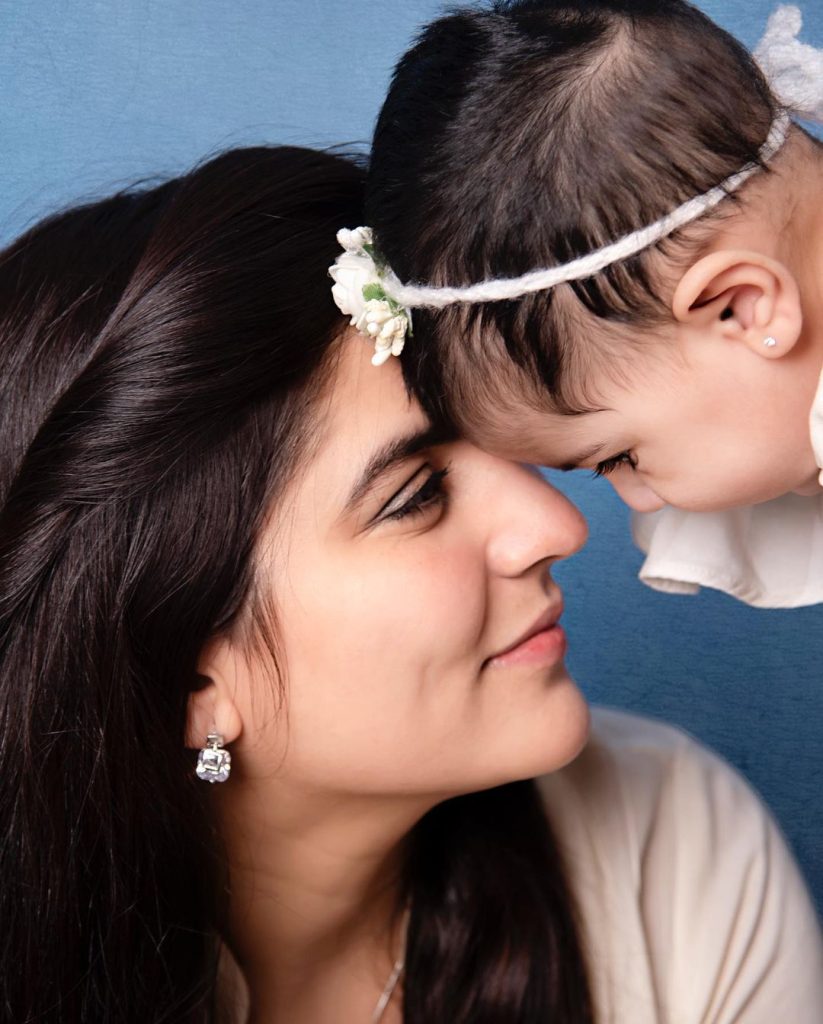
(359, 291)
(380, 305)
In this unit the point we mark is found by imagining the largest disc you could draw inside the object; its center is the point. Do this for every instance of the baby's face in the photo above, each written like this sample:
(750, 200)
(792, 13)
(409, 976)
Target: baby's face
(717, 429)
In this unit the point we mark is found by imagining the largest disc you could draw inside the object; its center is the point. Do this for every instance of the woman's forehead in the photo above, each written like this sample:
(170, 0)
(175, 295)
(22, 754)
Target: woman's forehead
(365, 401)
(364, 410)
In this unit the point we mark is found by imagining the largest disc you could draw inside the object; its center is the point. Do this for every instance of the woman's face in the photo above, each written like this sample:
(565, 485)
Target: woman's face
(402, 569)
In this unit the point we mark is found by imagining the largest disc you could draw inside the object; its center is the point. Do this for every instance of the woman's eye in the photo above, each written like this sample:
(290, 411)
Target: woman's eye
(610, 465)
(430, 494)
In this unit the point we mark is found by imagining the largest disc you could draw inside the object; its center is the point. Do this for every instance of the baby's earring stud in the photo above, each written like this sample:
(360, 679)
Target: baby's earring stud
(770, 342)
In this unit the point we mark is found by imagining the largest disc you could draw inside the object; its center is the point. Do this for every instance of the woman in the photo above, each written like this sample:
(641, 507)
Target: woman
(222, 529)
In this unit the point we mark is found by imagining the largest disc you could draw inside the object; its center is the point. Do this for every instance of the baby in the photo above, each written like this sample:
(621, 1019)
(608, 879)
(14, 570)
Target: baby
(618, 236)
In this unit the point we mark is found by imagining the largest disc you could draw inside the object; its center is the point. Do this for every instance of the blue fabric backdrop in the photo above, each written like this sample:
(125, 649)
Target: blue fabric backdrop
(97, 93)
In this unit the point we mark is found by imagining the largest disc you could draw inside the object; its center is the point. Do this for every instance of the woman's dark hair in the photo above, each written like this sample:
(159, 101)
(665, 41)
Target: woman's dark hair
(530, 132)
(160, 352)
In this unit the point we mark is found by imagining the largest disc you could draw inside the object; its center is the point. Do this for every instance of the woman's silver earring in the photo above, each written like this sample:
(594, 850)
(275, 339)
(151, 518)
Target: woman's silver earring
(770, 342)
(213, 761)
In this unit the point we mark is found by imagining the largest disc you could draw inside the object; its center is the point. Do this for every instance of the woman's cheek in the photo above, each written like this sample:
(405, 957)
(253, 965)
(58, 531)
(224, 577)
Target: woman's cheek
(412, 596)
(420, 598)
(441, 602)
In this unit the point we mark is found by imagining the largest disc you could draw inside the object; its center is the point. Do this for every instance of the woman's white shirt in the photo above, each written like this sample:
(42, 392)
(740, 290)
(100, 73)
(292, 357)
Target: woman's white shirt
(692, 909)
(768, 555)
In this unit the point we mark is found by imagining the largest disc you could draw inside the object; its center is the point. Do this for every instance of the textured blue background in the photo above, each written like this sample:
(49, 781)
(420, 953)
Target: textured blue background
(96, 93)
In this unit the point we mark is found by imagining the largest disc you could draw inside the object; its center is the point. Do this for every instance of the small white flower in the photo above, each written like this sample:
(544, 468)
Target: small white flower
(351, 273)
(378, 311)
(354, 240)
(388, 329)
(381, 319)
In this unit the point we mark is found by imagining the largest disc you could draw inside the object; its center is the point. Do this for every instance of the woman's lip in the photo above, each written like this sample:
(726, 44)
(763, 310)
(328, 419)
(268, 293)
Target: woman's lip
(544, 624)
(544, 648)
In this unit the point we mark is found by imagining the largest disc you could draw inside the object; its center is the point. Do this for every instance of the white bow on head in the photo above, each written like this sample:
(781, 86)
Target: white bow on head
(794, 69)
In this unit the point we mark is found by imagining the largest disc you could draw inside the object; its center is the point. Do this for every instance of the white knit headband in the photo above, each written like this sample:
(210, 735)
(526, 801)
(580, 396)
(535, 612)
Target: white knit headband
(380, 304)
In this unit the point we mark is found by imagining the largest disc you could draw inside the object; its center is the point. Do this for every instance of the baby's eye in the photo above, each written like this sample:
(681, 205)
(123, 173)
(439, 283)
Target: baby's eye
(430, 494)
(610, 465)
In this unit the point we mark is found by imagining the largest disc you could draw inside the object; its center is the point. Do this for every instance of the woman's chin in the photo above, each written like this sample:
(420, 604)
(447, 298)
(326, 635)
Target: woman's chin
(542, 740)
(811, 489)
(570, 725)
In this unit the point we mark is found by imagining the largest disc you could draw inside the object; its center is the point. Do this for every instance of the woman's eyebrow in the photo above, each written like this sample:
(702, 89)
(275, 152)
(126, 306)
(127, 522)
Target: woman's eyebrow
(396, 450)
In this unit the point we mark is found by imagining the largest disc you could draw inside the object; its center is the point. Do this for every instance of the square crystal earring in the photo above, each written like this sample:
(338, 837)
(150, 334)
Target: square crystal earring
(213, 762)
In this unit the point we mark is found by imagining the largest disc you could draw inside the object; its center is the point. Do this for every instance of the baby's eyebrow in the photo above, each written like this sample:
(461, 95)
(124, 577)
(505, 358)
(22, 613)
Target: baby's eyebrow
(584, 456)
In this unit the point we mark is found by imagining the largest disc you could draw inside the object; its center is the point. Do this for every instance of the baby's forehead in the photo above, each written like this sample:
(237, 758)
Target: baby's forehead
(526, 430)
(502, 397)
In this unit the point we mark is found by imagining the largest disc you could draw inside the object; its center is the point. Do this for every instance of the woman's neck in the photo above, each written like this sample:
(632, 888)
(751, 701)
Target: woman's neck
(316, 900)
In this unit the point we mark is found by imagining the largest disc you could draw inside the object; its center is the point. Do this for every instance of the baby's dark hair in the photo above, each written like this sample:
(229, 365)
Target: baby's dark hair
(531, 132)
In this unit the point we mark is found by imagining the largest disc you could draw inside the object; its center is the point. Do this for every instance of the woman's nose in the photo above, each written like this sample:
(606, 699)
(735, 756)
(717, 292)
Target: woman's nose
(634, 492)
(531, 522)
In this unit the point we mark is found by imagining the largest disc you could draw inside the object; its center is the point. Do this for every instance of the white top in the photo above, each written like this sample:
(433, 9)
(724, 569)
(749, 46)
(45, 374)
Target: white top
(692, 909)
(768, 555)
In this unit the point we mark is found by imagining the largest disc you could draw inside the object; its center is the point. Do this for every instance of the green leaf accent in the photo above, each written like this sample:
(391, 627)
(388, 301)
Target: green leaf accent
(373, 291)
(377, 259)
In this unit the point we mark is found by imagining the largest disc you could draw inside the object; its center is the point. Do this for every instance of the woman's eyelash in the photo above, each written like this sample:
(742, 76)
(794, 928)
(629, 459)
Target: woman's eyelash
(429, 494)
(610, 465)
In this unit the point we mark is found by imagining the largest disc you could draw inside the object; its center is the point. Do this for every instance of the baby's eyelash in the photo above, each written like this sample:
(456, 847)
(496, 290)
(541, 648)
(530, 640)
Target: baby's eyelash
(430, 493)
(610, 465)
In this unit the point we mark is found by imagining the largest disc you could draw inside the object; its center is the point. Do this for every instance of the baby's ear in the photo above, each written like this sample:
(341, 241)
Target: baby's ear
(742, 296)
(213, 708)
